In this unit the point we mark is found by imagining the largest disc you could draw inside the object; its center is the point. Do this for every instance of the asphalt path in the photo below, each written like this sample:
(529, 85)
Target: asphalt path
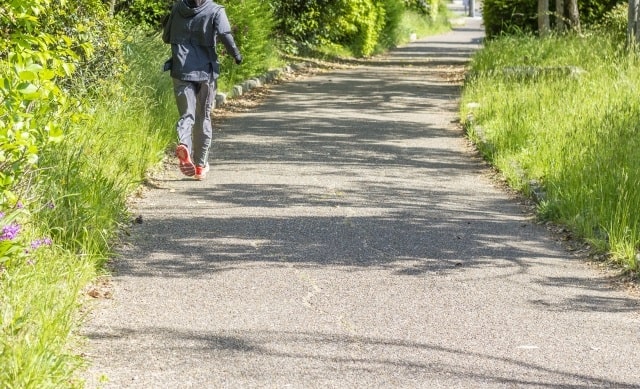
(348, 236)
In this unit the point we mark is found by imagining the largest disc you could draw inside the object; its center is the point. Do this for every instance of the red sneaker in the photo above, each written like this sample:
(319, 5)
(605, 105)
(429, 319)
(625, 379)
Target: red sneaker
(186, 166)
(201, 172)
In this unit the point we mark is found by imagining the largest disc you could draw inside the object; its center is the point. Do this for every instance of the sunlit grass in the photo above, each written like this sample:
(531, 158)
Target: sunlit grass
(574, 133)
(78, 198)
(39, 311)
(422, 25)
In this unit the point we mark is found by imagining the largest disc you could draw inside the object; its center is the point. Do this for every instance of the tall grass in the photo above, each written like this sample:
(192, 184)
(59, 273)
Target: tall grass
(80, 198)
(574, 133)
(38, 313)
(422, 25)
(89, 176)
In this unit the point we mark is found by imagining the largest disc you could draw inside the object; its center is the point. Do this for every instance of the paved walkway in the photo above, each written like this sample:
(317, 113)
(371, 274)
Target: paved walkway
(347, 236)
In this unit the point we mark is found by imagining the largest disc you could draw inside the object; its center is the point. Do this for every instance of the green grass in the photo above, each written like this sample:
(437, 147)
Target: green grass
(39, 312)
(78, 197)
(422, 25)
(90, 174)
(577, 135)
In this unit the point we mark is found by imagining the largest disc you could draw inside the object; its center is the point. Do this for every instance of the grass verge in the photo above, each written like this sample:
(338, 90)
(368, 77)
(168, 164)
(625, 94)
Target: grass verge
(564, 113)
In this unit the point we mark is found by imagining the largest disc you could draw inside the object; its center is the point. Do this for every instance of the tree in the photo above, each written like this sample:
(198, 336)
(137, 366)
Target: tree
(560, 24)
(543, 17)
(573, 15)
(633, 32)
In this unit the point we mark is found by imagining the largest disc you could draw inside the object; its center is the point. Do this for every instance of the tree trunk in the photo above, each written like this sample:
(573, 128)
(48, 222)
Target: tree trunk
(573, 15)
(543, 17)
(632, 24)
(560, 24)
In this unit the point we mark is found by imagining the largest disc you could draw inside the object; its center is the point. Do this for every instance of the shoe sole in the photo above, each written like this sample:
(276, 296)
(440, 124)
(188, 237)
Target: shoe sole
(186, 166)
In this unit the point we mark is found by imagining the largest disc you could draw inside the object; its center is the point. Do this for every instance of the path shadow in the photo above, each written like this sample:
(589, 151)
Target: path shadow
(298, 353)
(376, 181)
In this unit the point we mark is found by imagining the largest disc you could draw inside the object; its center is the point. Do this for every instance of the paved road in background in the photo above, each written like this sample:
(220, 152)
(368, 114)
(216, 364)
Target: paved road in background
(348, 236)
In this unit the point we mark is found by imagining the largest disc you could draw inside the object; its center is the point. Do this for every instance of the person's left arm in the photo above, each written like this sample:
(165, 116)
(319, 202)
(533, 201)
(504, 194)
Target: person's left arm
(224, 33)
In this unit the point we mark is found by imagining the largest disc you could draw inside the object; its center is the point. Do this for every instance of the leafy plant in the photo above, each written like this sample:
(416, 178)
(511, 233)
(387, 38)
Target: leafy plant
(253, 25)
(35, 108)
(143, 13)
(356, 24)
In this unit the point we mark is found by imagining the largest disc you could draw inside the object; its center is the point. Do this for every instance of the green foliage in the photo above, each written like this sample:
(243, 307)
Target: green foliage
(38, 305)
(252, 27)
(577, 136)
(509, 16)
(614, 23)
(49, 56)
(359, 26)
(356, 24)
(521, 16)
(392, 32)
(143, 13)
(413, 22)
(87, 29)
(420, 6)
(39, 286)
(90, 174)
(298, 21)
(35, 109)
(593, 11)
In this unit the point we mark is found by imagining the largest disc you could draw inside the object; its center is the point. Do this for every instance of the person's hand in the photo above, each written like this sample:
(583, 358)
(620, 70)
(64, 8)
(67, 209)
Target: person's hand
(239, 59)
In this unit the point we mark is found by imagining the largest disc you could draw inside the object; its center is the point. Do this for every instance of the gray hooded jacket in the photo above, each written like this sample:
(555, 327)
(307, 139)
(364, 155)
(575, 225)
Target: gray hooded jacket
(192, 32)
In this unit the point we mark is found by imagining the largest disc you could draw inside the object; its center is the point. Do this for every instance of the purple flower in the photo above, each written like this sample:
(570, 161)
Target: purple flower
(19, 205)
(1, 215)
(10, 232)
(41, 242)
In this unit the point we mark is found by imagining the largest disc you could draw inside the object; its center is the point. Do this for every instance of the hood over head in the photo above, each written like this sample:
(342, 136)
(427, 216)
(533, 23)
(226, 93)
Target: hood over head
(193, 7)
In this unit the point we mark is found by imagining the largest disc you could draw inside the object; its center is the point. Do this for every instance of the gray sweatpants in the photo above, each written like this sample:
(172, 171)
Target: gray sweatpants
(195, 101)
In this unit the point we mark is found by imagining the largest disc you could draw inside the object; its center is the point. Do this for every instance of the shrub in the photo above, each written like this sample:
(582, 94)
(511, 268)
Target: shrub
(35, 108)
(593, 11)
(359, 26)
(356, 24)
(509, 17)
(96, 39)
(390, 35)
(615, 23)
(420, 6)
(252, 24)
(517, 16)
(143, 13)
